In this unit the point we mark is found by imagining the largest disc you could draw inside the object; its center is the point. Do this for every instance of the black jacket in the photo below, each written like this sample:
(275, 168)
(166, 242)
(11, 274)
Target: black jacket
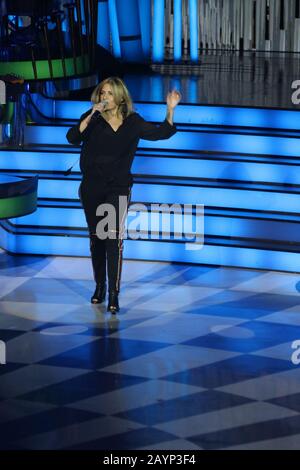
(109, 154)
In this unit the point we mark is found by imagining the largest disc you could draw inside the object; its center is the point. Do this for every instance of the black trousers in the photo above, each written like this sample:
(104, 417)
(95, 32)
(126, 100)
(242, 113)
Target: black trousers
(106, 253)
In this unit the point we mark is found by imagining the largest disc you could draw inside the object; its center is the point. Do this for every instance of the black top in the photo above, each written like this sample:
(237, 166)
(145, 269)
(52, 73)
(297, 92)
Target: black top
(108, 153)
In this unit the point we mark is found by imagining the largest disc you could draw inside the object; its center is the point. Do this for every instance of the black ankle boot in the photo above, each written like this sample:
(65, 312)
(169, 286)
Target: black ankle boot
(113, 302)
(99, 294)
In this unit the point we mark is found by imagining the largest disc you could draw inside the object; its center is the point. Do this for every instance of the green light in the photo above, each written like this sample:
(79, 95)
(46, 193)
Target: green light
(17, 206)
(25, 70)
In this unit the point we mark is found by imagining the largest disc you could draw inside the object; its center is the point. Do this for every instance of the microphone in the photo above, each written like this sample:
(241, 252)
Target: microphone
(97, 113)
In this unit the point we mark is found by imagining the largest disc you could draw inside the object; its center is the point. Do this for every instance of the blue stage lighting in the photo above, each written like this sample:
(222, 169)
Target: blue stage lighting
(129, 30)
(197, 114)
(113, 21)
(145, 25)
(103, 31)
(155, 250)
(247, 199)
(191, 140)
(158, 31)
(193, 19)
(177, 29)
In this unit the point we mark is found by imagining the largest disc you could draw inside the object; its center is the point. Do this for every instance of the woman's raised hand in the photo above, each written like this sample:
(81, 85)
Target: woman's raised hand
(173, 98)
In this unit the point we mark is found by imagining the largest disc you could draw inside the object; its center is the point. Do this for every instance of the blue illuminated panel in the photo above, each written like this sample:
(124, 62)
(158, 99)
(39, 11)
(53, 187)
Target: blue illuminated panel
(145, 24)
(158, 31)
(204, 141)
(103, 29)
(113, 21)
(223, 116)
(214, 225)
(37, 161)
(210, 197)
(53, 217)
(214, 169)
(193, 19)
(154, 250)
(218, 197)
(177, 29)
(160, 166)
(197, 114)
(129, 30)
(71, 109)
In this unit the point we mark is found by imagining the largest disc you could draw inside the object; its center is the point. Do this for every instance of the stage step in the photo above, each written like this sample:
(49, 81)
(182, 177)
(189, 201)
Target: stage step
(214, 166)
(157, 250)
(195, 114)
(210, 193)
(196, 140)
(262, 227)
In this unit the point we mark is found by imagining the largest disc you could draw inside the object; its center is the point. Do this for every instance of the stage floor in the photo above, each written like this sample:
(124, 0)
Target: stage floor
(198, 358)
(251, 79)
(224, 78)
(227, 78)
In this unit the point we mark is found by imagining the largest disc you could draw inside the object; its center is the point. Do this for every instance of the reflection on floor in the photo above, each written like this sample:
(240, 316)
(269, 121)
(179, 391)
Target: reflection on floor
(198, 358)
(229, 78)
(250, 79)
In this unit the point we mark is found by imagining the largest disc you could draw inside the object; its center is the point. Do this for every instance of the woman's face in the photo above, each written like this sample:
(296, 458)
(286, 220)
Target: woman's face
(107, 94)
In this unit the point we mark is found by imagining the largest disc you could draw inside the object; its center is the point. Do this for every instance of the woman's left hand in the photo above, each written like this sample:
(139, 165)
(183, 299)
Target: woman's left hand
(173, 98)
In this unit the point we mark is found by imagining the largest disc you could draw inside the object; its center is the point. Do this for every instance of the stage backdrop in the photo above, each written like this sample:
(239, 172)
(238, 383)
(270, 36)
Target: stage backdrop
(155, 30)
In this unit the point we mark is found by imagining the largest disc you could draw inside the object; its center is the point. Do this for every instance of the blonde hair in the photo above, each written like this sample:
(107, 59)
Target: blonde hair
(121, 96)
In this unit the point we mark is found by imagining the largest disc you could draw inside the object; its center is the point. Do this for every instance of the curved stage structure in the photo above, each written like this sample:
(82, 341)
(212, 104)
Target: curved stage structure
(18, 196)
